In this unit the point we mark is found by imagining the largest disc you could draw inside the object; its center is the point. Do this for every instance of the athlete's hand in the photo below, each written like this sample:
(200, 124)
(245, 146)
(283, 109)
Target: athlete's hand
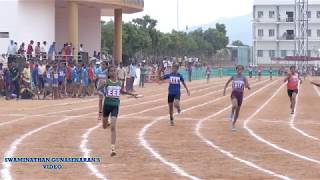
(188, 92)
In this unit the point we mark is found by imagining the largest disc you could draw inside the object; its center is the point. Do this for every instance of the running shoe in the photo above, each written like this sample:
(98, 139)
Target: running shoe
(171, 121)
(113, 151)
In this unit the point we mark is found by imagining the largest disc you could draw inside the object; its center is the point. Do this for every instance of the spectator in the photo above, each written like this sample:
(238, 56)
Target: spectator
(7, 83)
(30, 50)
(15, 79)
(44, 50)
(22, 50)
(52, 51)
(96, 71)
(122, 75)
(84, 81)
(37, 50)
(143, 72)
(42, 69)
(26, 76)
(35, 83)
(12, 49)
(81, 48)
(133, 75)
(1, 80)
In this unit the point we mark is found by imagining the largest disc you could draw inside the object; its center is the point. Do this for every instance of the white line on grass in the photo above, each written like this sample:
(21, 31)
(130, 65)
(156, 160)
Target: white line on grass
(228, 153)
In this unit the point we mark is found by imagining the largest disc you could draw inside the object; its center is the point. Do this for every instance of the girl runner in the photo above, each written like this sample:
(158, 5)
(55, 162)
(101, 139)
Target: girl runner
(111, 90)
(61, 79)
(55, 83)
(174, 90)
(293, 81)
(239, 82)
(47, 82)
(259, 73)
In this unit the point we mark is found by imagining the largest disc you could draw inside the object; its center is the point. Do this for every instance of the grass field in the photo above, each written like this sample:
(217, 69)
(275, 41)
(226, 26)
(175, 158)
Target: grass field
(269, 142)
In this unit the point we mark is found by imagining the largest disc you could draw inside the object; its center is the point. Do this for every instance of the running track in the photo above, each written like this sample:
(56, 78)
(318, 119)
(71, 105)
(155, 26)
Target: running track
(269, 143)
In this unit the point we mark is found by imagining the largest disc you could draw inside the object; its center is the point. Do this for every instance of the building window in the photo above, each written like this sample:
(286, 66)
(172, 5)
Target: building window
(260, 32)
(271, 32)
(271, 14)
(260, 53)
(272, 53)
(283, 53)
(309, 14)
(318, 32)
(309, 53)
(4, 34)
(318, 14)
(309, 32)
(260, 14)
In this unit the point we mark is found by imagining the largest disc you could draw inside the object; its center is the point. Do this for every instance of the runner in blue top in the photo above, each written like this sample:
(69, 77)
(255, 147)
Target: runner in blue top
(55, 83)
(61, 79)
(175, 78)
(84, 80)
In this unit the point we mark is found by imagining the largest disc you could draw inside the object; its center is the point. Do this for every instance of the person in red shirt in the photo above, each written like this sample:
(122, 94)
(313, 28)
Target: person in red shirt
(292, 85)
(30, 50)
(91, 79)
(69, 80)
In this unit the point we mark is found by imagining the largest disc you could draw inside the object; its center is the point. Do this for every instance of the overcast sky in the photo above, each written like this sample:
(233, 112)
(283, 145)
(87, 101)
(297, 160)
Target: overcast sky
(191, 12)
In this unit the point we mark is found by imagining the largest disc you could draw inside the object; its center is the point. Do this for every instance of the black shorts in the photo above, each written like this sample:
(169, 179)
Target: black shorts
(238, 96)
(171, 98)
(290, 92)
(110, 110)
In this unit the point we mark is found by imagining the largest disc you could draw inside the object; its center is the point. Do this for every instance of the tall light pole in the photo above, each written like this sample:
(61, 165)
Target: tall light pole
(177, 15)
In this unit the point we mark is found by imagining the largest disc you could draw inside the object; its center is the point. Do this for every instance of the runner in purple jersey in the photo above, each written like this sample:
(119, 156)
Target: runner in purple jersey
(239, 82)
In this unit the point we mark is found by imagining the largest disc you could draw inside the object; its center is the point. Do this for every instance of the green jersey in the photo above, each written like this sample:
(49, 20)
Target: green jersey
(112, 91)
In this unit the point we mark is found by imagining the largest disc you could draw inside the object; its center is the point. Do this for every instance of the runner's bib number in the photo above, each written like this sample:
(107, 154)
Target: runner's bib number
(113, 91)
(55, 76)
(61, 73)
(174, 80)
(48, 76)
(238, 85)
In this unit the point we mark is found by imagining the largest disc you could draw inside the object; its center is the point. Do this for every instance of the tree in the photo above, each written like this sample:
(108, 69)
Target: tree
(237, 43)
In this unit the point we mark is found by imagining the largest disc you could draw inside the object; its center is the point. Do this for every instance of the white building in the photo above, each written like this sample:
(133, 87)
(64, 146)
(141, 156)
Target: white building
(274, 29)
(76, 21)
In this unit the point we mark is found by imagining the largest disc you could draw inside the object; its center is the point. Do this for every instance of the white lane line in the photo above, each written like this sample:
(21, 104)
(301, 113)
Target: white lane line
(6, 166)
(157, 155)
(228, 153)
(85, 139)
(86, 152)
(316, 89)
(292, 122)
(82, 108)
(190, 99)
(259, 138)
(5, 171)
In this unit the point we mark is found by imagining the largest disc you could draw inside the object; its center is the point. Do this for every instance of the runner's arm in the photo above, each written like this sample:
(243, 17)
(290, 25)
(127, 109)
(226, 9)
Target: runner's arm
(247, 84)
(185, 86)
(227, 84)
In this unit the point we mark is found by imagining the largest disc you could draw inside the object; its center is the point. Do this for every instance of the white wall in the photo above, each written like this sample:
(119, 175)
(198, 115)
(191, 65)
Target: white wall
(35, 21)
(89, 27)
(8, 9)
(27, 20)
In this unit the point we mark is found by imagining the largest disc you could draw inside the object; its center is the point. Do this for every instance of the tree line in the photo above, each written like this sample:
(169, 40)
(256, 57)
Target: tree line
(141, 38)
